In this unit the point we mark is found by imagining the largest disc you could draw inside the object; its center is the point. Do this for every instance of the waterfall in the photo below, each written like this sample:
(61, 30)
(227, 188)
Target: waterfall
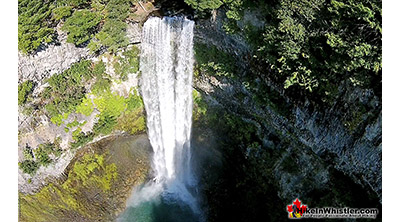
(166, 65)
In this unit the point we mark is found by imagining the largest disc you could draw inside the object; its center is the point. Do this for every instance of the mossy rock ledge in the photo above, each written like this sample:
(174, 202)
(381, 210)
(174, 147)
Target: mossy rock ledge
(95, 185)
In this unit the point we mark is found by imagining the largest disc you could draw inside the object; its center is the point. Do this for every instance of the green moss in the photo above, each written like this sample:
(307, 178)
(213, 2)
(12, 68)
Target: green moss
(132, 122)
(69, 198)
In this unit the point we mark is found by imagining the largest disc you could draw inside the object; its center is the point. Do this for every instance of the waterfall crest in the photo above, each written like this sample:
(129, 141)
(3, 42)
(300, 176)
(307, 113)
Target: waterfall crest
(166, 64)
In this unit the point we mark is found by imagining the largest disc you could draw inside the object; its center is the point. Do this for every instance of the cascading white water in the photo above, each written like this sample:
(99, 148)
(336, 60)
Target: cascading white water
(166, 64)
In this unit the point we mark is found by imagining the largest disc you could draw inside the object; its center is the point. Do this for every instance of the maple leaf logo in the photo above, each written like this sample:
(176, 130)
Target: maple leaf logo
(296, 209)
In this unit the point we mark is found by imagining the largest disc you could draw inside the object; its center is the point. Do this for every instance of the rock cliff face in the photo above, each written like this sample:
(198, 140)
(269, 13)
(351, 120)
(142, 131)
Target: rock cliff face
(55, 58)
(34, 128)
(342, 136)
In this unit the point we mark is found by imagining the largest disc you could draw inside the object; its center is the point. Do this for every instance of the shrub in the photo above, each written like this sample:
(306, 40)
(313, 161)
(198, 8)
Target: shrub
(203, 5)
(29, 166)
(99, 69)
(81, 139)
(113, 32)
(24, 89)
(101, 85)
(27, 152)
(33, 26)
(127, 64)
(81, 26)
(42, 154)
(105, 124)
(134, 101)
(86, 107)
(62, 12)
(110, 104)
(66, 90)
(132, 122)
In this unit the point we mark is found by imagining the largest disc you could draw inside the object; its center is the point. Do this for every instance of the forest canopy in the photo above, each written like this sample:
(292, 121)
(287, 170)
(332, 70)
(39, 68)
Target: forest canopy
(311, 44)
(101, 23)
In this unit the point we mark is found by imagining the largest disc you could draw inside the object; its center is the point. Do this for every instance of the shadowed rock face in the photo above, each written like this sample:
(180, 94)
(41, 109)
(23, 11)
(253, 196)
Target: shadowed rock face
(342, 135)
(328, 156)
(74, 198)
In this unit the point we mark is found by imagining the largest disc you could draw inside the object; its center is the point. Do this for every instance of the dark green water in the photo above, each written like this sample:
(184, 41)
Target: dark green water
(159, 210)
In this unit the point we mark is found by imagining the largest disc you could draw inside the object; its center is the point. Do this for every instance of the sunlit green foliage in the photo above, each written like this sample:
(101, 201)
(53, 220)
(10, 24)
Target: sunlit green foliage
(110, 103)
(81, 26)
(113, 32)
(110, 106)
(91, 173)
(66, 90)
(24, 90)
(86, 107)
(42, 155)
(58, 119)
(128, 63)
(203, 5)
(62, 12)
(101, 85)
(134, 101)
(33, 24)
(103, 80)
(117, 112)
(99, 69)
(105, 124)
(75, 134)
(132, 120)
